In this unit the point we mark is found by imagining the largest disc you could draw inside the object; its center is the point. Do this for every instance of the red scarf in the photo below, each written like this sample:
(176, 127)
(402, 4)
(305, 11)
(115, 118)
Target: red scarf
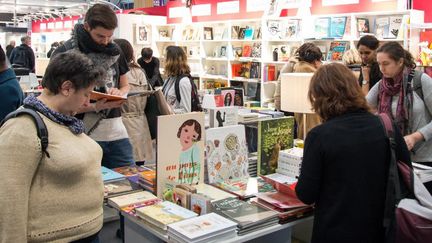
(390, 87)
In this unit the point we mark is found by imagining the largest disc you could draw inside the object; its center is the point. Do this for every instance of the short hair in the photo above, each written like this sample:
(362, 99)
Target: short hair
(176, 61)
(73, 66)
(334, 91)
(309, 52)
(146, 53)
(101, 15)
(369, 41)
(24, 38)
(55, 44)
(396, 52)
(191, 122)
(2, 57)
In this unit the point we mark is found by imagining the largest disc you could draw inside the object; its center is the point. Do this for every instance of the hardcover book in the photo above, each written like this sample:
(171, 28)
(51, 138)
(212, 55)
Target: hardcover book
(244, 213)
(94, 95)
(200, 204)
(273, 135)
(110, 175)
(363, 25)
(129, 199)
(256, 50)
(291, 29)
(227, 154)
(118, 187)
(183, 135)
(337, 27)
(274, 29)
(212, 192)
(164, 213)
(382, 26)
(223, 116)
(201, 227)
(247, 50)
(248, 33)
(336, 51)
(228, 97)
(395, 25)
(244, 187)
(322, 26)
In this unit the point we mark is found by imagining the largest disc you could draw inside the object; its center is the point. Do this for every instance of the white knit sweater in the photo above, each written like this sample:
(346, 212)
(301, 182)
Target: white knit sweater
(56, 199)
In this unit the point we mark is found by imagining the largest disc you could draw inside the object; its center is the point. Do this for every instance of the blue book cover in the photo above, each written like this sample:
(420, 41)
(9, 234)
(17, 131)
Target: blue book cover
(337, 27)
(110, 175)
(248, 34)
(322, 26)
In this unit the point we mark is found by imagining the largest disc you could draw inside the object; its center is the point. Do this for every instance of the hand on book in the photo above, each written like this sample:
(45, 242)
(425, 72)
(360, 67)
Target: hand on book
(103, 104)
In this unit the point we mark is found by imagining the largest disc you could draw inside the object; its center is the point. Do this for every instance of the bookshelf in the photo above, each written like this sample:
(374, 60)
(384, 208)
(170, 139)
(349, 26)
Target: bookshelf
(219, 52)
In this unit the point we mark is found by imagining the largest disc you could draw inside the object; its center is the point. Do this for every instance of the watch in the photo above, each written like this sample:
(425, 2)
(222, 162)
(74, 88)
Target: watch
(364, 82)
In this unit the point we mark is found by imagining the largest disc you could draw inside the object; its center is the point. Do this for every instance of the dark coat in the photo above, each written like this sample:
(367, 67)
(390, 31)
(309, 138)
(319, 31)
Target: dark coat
(344, 172)
(11, 95)
(23, 56)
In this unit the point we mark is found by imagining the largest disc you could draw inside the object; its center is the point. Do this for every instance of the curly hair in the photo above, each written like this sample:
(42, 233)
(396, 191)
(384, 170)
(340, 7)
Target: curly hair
(309, 52)
(176, 61)
(396, 52)
(334, 91)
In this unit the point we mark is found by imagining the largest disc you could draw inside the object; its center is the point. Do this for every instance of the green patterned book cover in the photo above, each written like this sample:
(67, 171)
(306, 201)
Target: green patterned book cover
(273, 135)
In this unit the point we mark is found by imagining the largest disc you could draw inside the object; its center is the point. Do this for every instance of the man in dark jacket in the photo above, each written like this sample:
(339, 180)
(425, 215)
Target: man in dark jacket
(9, 48)
(150, 64)
(11, 95)
(23, 55)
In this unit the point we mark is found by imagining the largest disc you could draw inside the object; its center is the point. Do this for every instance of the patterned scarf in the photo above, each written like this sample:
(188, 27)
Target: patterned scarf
(75, 125)
(390, 87)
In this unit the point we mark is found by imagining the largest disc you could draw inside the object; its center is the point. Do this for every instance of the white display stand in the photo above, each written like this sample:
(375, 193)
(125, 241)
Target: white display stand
(137, 230)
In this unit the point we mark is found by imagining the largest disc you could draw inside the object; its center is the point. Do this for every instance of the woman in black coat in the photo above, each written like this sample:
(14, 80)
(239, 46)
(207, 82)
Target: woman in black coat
(346, 160)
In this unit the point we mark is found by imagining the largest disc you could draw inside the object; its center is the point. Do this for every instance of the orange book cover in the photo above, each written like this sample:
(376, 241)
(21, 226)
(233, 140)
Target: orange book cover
(271, 73)
(94, 95)
(247, 51)
(236, 69)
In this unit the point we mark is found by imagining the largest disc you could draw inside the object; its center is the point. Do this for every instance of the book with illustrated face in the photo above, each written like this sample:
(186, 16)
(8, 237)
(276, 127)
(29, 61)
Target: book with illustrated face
(180, 151)
(227, 153)
(228, 97)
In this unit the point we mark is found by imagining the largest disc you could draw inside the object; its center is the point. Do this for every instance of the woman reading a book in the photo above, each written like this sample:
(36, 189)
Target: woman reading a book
(56, 196)
(345, 164)
(132, 111)
(370, 73)
(406, 95)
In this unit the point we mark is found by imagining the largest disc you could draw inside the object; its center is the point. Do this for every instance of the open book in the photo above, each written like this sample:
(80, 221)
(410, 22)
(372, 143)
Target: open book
(94, 95)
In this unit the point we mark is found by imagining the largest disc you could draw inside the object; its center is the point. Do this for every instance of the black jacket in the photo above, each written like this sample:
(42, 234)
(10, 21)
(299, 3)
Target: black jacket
(375, 75)
(23, 56)
(344, 172)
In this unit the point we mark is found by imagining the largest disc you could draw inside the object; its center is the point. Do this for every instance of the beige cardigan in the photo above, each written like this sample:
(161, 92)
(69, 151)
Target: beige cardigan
(56, 199)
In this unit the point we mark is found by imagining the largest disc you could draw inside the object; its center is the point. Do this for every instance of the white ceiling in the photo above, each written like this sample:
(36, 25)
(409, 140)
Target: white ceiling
(31, 6)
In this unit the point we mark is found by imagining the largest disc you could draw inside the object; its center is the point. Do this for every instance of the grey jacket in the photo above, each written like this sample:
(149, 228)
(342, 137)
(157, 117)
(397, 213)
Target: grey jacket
(422, 117)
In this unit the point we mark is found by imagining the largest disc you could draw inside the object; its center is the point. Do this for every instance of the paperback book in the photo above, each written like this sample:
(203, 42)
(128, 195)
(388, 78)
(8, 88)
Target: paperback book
(130, 199)
(223, 116)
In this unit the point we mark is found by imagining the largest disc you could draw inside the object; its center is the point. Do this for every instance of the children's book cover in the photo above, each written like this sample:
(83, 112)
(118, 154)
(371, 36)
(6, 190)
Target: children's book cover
(274, 29)
(200, 204)
(395, 25)
(336, 51)
(248, 33)
(322, 26)
(337, 27)
(273, 135)
(223, 116)
(363, 25)
(382, 27)
(227, 154)
(291, 28)
(110, 175)
(180, 151)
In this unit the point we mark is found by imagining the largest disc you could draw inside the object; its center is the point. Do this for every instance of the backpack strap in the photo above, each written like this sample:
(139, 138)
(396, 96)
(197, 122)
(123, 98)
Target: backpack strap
(417, 86)
(393, 193)
(41, 128)
(177, 85)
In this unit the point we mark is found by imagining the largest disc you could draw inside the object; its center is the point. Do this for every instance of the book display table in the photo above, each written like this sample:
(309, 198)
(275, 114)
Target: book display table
(137, 230)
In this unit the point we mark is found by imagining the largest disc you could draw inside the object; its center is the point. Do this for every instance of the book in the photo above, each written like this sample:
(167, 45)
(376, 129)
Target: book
(273, 135)
(94, 95)
(284, 53)
(322, 26)
(243, 213)
(235, 30)
(181, 197)
(200, 204)
(382, 26)
(202, 227)
(130, 199)
(256, 50)
(223, 116)
(183, 135)
(228, 96)
(394, 26)
(164, 213)
(212, 192)
(291, 28)
(337, 27)
(208, 33)
(238, 96)
(109, 175)
(244, 187)
(247, 50)
(227, 154)
(118, 187)
(363, 25)
(248, 33)
(336, 50)
(274, 29)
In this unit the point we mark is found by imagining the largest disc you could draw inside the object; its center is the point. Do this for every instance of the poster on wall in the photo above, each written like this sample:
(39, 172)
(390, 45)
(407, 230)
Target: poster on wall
(142, 34)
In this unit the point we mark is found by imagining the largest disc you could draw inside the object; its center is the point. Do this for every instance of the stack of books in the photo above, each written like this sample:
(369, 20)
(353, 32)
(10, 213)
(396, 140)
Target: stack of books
(163, 213)
(116, 184)
(289, 162)
(205, 228)
(249, 217)
(244, 188)
(253, 166)
(133, 199)
(147, 179)
(130, 172)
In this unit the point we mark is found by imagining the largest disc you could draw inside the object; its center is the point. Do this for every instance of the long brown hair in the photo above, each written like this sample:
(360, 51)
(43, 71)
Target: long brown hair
(396, 52)
(128, 52)
(176, 61)
(334, 91)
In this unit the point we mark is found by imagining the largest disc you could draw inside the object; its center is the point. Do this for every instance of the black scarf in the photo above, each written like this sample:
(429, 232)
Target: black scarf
(87, 45)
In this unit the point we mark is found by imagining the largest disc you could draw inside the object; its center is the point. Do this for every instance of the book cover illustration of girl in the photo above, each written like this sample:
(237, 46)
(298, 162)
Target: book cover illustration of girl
(189, 161)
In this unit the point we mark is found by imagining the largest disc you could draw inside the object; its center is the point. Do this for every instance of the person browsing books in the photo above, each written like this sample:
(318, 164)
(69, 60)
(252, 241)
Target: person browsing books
(345, 164)
(150, 64)
(409, 107)
(133, 114)
(103, 121)
(176, 67)
(370, 73)
(55, 196)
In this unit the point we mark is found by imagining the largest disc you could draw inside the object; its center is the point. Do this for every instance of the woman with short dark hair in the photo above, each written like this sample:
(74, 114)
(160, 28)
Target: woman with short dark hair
(370, 73)
(346, 161)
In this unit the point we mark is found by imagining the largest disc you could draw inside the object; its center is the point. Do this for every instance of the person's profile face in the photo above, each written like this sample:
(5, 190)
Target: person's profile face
(100, 35)
(389, 67)
(77, 99)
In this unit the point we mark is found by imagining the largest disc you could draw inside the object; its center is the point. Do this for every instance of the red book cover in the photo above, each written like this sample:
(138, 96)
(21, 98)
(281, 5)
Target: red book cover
(271, 75)
(219, 100)
(247, 51)
(236, 69)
